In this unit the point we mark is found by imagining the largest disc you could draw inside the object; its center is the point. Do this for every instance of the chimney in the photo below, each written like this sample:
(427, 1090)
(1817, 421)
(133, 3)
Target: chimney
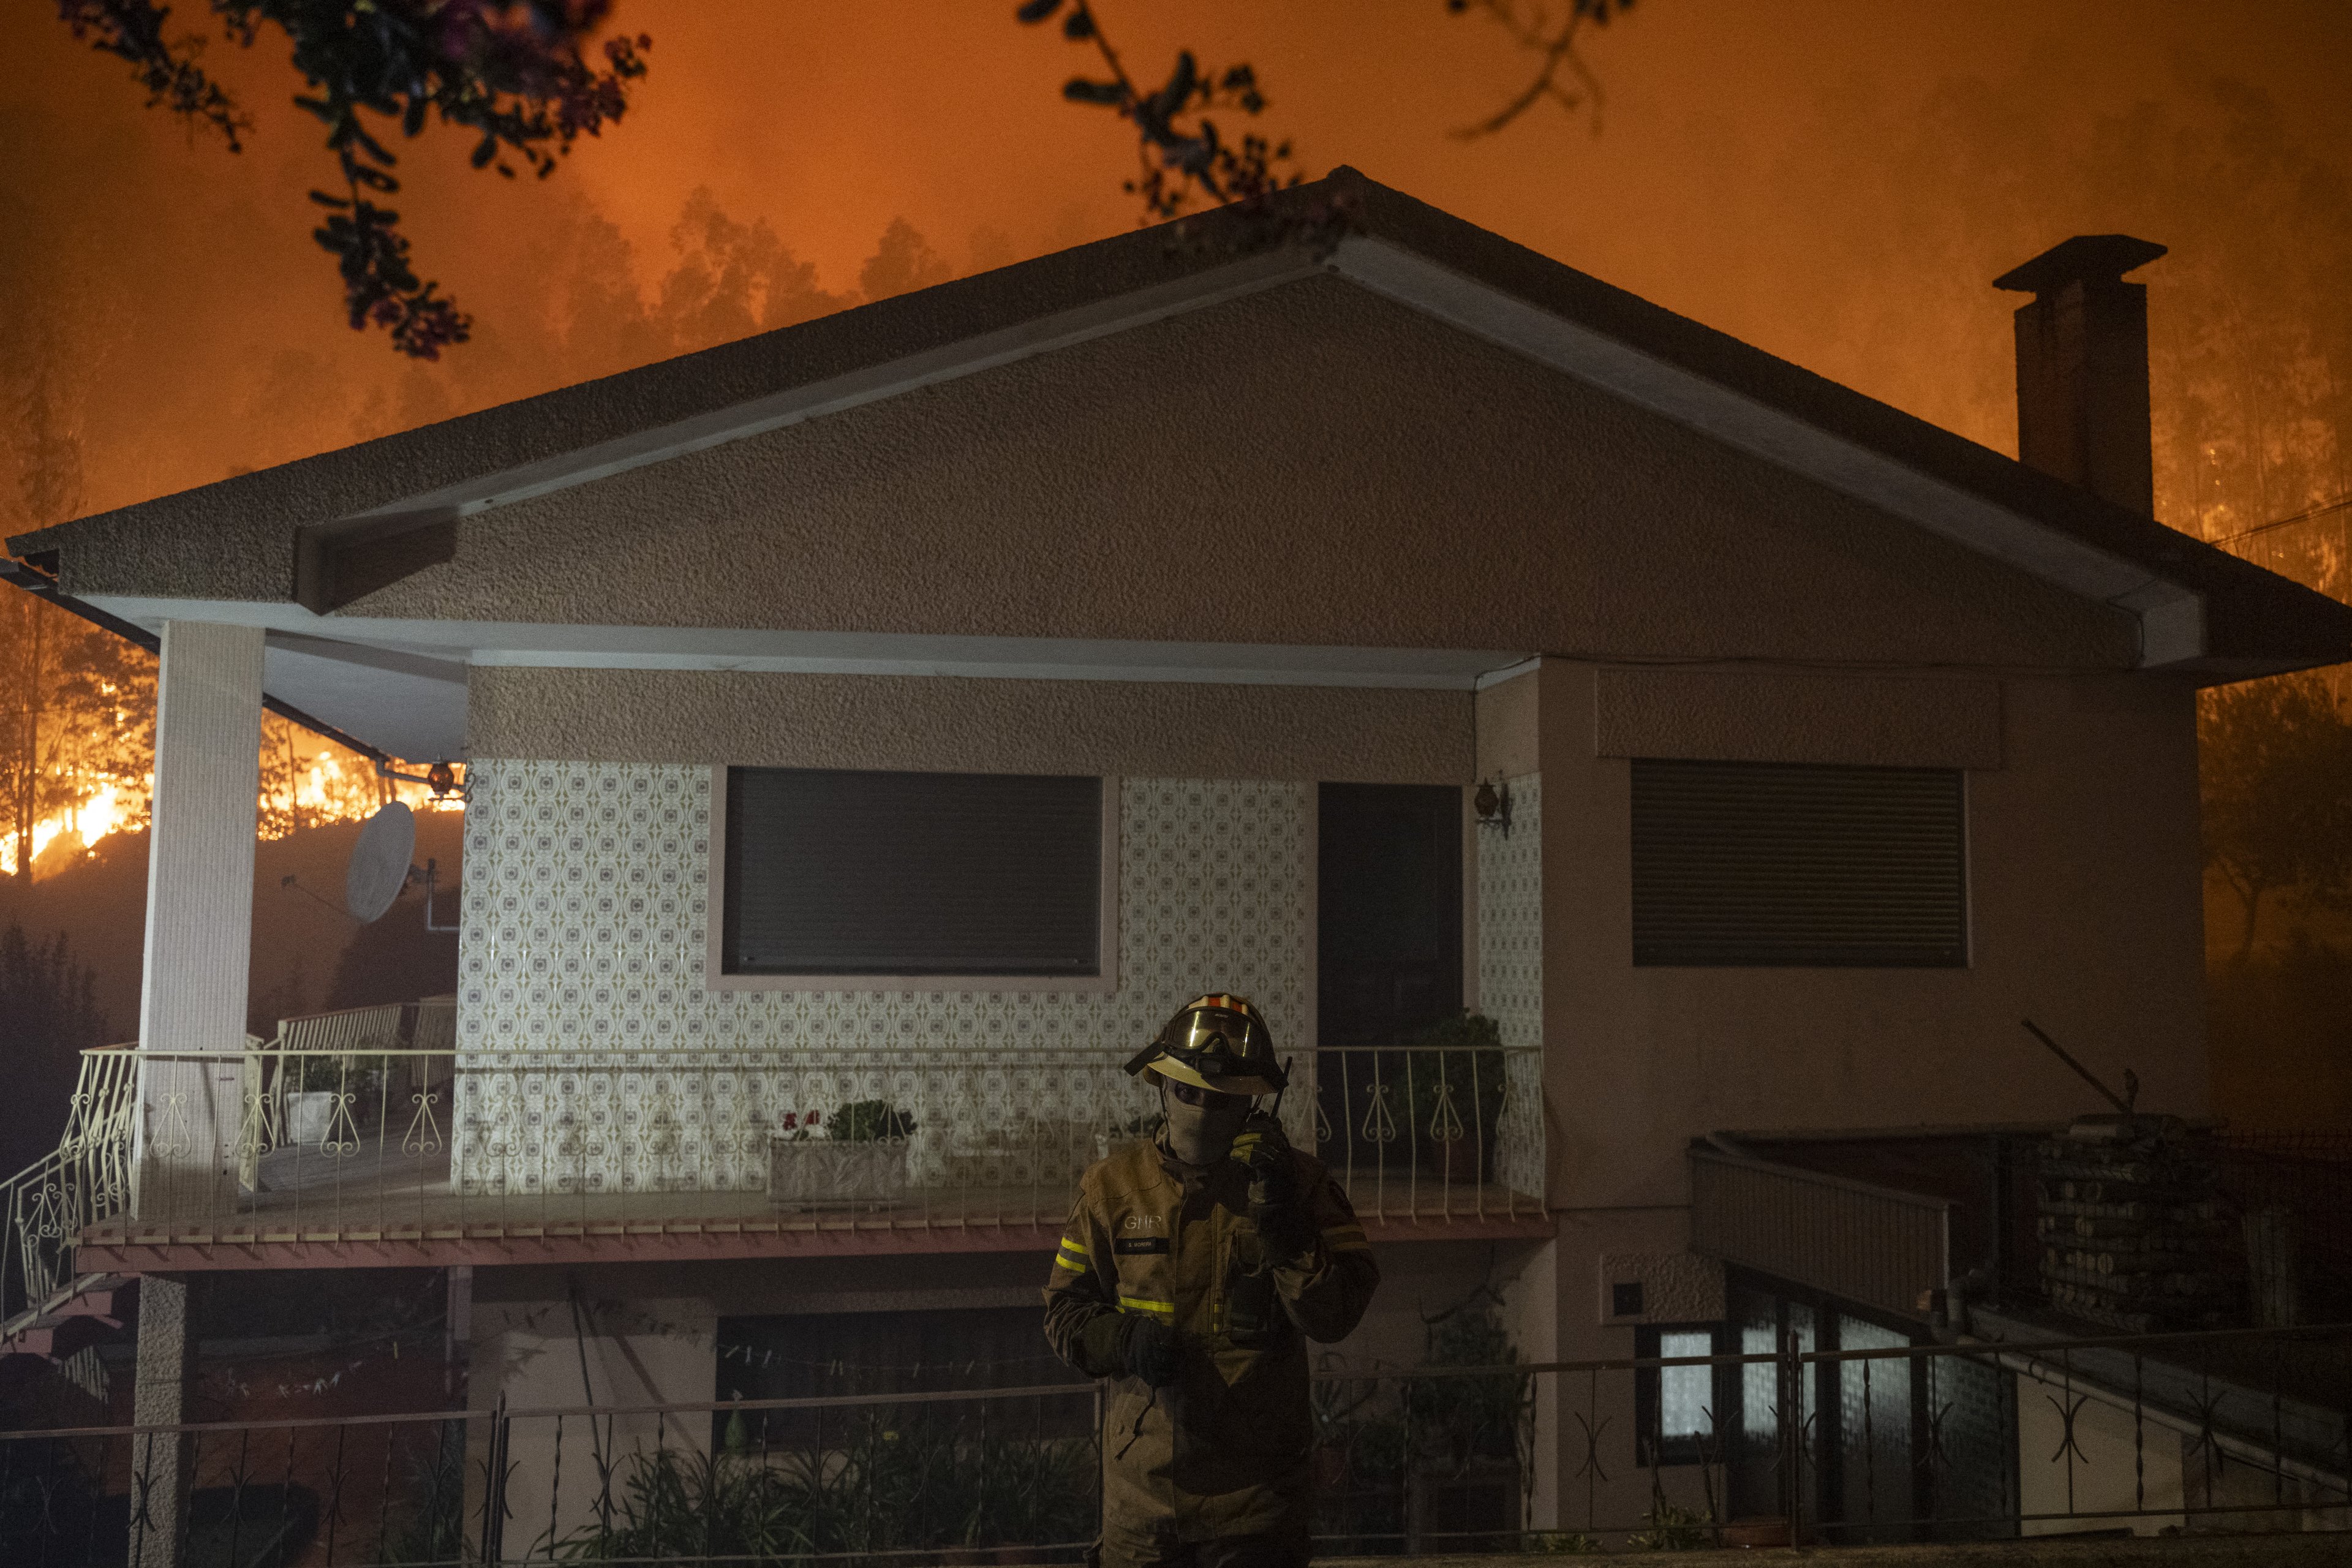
(2082, 367)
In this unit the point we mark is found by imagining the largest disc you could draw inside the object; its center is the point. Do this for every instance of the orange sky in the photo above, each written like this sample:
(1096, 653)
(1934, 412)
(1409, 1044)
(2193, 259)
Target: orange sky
(1833, 180)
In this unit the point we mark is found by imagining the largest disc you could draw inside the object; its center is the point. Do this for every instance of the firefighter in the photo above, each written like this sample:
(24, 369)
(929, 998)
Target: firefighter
(1194, 1268)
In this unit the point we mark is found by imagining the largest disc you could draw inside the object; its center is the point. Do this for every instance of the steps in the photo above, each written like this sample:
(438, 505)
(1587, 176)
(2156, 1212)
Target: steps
(89, 1301)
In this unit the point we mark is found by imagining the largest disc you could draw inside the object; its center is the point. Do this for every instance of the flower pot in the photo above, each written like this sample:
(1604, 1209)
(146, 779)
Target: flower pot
(1772, 1531)
(818, 1172)
(308, 1117)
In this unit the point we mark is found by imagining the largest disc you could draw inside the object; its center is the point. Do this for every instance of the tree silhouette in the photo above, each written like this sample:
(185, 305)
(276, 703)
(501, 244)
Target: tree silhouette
(48, 1016)
(2276, 772)
(512, 72)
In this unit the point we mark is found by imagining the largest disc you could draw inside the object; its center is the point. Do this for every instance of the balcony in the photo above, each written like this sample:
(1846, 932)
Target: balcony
(367, 1137)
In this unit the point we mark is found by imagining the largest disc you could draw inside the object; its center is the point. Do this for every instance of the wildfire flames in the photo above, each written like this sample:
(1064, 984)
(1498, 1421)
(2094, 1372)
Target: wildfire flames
(300, 787)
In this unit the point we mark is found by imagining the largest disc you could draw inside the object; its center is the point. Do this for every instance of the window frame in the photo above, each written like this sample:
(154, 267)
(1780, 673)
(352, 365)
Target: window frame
(1104, 981)
(1648, 1390)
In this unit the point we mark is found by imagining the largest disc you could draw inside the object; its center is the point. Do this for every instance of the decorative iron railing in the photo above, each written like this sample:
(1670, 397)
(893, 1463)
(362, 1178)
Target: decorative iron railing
(123, 1113)
(1788, 1446)
(85, 1181)
(339, 1129)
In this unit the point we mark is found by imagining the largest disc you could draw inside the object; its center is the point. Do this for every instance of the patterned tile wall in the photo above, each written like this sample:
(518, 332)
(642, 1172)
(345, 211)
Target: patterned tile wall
(1511, 918)
(1510, 972)
(583, 947)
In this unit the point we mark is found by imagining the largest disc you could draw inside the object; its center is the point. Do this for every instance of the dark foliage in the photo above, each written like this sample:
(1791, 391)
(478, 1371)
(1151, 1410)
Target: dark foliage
(902, 1480)
(512, 72)
(1182, 153)
(2276, 773)
(1550, 33)
(2280, 1025)
(395, 958)
(48, 1016)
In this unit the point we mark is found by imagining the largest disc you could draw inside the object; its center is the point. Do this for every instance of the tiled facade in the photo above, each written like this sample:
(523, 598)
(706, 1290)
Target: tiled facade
(1510, 974)
(597, 1057)
(1510, 917)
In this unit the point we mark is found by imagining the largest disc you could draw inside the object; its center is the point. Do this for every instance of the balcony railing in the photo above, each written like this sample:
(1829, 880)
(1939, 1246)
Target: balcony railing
(86, 1181)
(363, 1126)
(1877, 1245)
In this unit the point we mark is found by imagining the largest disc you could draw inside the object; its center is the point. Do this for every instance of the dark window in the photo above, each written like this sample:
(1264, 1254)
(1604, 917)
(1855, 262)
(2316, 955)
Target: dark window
(1771, 864)
(1388, 957)
(834, 872)
(1388, 910)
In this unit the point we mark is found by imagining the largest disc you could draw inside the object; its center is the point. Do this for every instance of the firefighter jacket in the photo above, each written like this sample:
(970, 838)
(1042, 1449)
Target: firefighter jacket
(1226, 1450)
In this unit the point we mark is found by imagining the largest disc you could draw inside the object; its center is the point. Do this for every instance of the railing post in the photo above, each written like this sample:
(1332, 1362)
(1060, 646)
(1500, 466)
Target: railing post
(1788, 1431)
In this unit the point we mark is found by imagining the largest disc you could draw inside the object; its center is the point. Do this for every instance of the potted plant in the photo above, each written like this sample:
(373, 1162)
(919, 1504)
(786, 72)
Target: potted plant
(1454, 1081)
(857, 1157)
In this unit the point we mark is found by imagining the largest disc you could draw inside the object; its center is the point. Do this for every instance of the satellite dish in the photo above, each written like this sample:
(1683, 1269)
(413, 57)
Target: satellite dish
(379, 862)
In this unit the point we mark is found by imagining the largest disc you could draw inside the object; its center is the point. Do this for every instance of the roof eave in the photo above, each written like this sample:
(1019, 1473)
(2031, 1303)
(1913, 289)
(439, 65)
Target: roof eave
(321, 531)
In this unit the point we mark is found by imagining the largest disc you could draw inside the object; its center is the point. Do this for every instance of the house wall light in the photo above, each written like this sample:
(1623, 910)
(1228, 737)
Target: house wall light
(1492, 804)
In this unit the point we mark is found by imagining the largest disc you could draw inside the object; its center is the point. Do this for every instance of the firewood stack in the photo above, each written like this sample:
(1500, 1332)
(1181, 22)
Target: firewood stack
(2134, 1235)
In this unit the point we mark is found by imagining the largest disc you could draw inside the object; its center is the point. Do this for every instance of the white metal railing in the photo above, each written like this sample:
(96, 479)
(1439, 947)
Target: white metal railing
(89, 1180)
(85, 1181)
(332, 1132)
(1878, 1246)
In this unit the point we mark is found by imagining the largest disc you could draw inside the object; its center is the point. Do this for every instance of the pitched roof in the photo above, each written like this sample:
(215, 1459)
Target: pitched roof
(323, 529)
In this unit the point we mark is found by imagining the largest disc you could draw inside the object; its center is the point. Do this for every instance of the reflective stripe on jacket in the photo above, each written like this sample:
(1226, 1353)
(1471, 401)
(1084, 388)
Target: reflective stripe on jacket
(1225, 1451)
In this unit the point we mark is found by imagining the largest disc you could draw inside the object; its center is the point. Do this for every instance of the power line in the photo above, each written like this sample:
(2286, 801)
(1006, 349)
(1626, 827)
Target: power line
(2339, 504)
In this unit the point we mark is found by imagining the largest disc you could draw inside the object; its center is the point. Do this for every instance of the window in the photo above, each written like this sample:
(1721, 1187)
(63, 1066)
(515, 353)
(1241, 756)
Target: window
(1771, 864)
(1676, 1408)
(830, 873)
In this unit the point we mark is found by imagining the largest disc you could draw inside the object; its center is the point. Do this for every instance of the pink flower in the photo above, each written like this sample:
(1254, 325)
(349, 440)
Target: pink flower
(791, 1121)
(812, 1119)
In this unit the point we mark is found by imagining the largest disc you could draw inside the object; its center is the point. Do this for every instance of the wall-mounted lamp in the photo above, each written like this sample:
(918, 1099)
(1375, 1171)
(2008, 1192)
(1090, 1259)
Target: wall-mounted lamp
(440, 778)
(1493, 805)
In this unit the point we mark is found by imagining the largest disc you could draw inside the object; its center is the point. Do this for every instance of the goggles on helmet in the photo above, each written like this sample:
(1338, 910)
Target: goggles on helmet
(1218, 1039)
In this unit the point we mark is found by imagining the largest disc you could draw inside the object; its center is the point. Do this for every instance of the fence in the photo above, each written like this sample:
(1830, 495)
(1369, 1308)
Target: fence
(350, 1139)
(1898, 1442)
(1886, 1218)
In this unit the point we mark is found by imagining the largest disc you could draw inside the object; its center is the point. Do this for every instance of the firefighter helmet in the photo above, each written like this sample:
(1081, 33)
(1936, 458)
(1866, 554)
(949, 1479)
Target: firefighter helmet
(1215, 1042)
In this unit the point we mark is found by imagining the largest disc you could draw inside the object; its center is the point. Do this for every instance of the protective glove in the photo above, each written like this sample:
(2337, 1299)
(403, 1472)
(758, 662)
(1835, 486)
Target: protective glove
(1274, 1198)
(1150, 1349)
(1133, 1345)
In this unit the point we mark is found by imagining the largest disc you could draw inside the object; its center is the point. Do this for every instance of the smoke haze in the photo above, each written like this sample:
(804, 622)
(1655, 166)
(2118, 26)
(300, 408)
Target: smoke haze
(1834, 182)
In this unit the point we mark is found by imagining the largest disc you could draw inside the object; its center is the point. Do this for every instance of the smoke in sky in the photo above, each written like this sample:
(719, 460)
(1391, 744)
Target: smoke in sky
(1833, 180)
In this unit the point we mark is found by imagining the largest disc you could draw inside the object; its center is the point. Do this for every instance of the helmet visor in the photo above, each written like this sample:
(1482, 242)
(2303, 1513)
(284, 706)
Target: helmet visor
(1220, 1030)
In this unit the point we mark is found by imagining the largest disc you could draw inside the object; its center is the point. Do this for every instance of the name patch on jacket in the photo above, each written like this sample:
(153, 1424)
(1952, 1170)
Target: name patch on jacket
(1130, 1243)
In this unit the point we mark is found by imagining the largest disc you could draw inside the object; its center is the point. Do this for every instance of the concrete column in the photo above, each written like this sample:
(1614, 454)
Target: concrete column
(199, 914)
(159, 1397)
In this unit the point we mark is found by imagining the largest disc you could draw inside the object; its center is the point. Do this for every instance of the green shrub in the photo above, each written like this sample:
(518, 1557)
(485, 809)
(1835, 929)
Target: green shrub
(869, 1121)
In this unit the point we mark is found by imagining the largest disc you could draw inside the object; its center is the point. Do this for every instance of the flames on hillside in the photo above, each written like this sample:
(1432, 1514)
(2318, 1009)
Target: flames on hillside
(333, 785)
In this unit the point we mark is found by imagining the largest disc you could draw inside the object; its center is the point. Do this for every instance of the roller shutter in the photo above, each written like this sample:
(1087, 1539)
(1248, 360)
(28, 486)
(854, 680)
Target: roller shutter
(835, 872)
(1747, 864)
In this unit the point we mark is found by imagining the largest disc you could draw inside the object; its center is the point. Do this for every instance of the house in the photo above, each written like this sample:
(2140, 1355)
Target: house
(1347, 608)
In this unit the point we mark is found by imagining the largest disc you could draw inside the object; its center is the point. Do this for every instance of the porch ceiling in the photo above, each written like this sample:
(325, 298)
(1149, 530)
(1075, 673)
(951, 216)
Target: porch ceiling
(401, 684)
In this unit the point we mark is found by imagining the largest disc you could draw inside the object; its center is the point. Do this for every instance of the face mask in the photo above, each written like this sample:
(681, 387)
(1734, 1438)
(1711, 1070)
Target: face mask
(1204, 1134)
